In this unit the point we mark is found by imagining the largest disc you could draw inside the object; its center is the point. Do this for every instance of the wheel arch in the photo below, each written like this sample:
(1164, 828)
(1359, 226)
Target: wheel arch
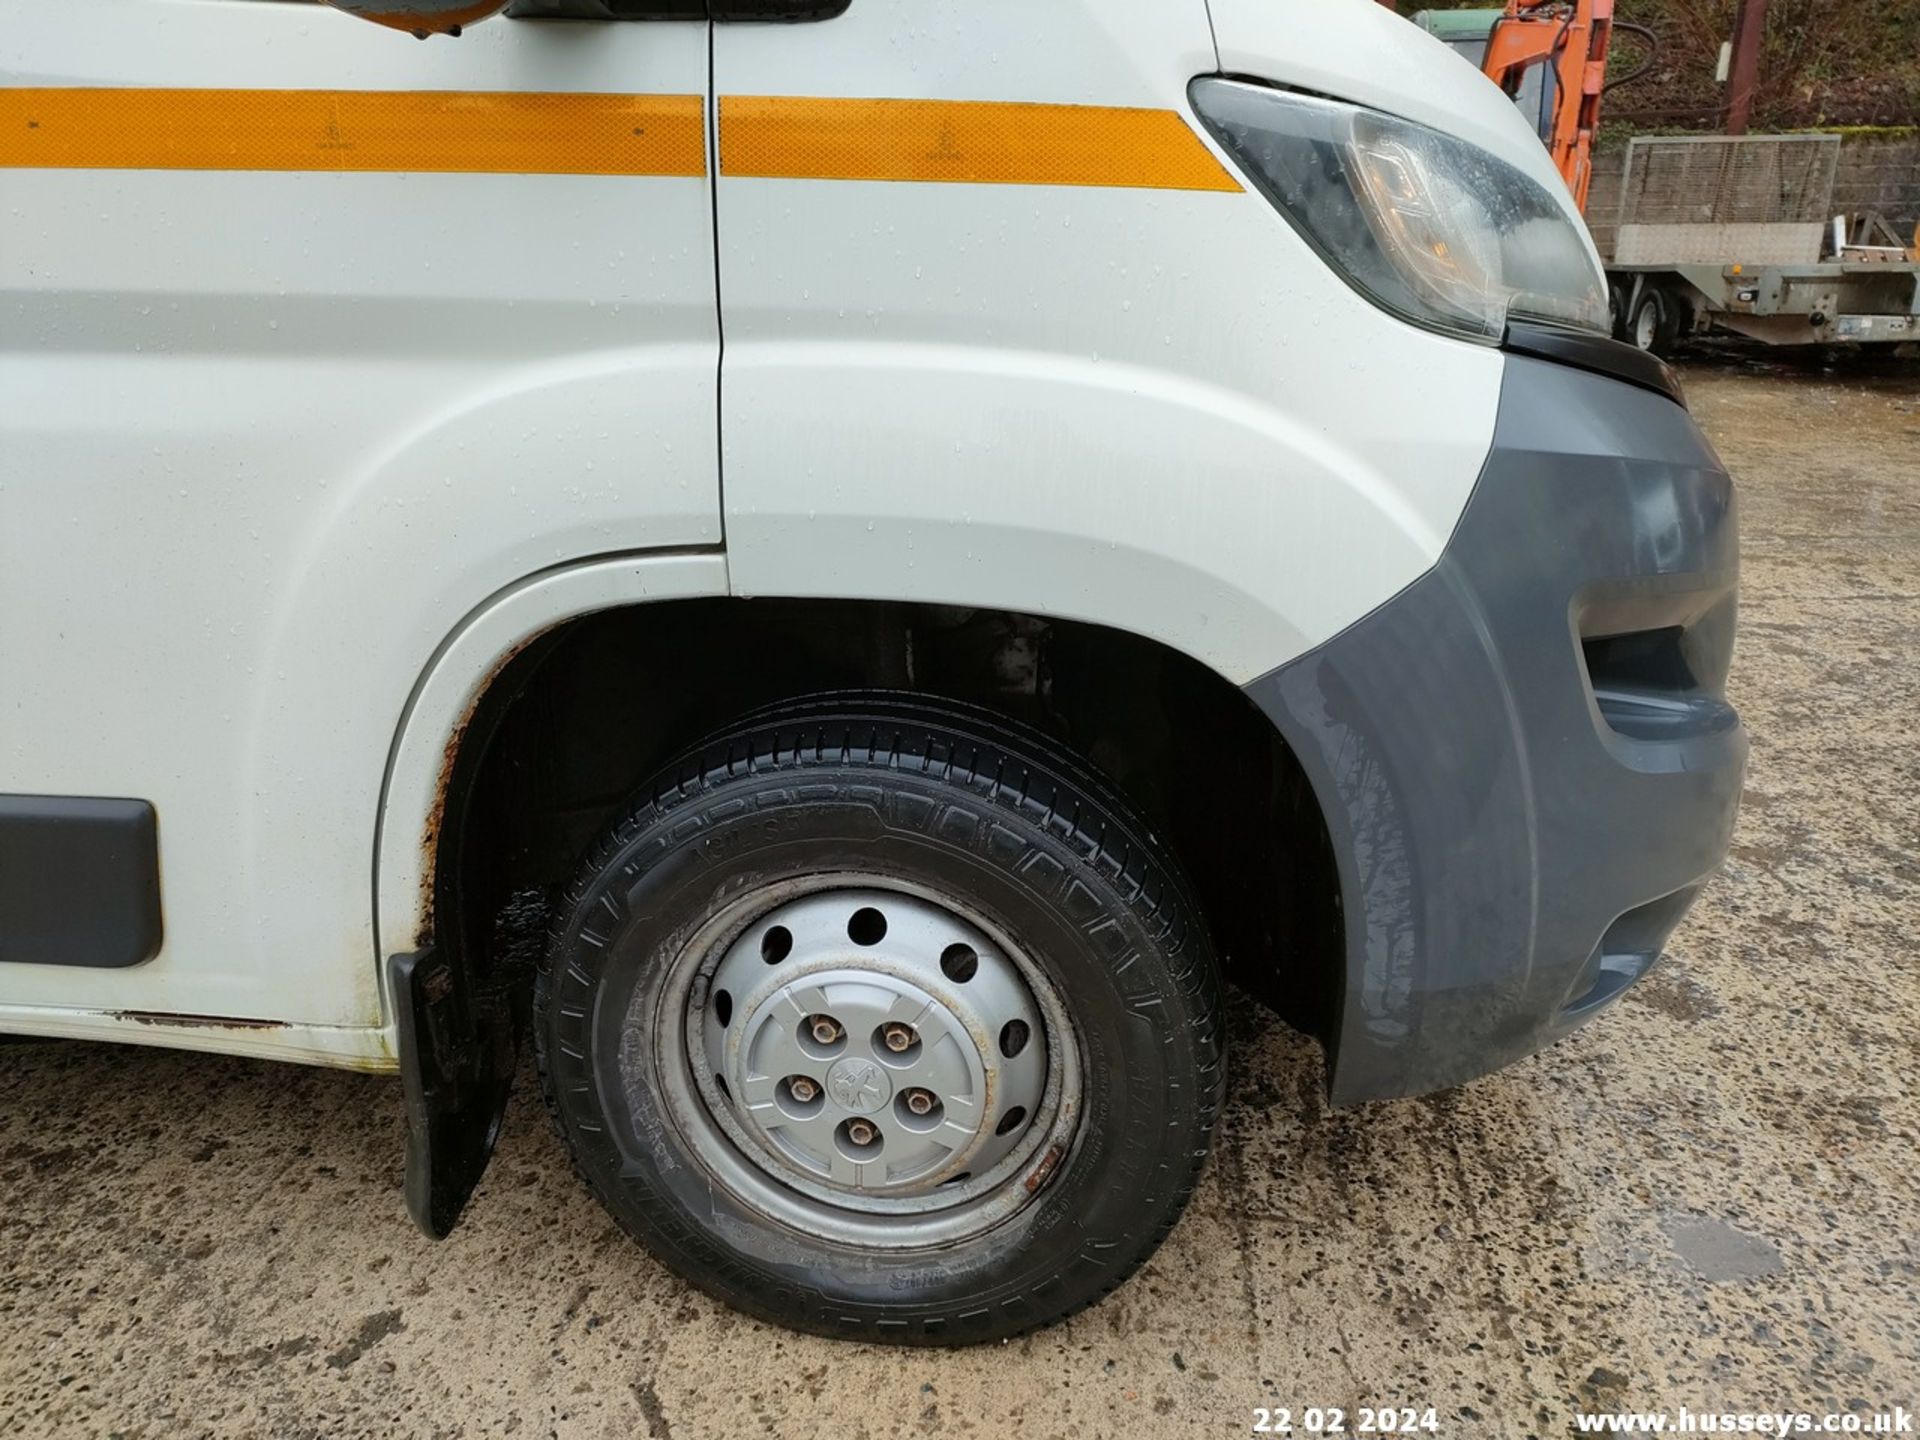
(558, 698)
(615, 655)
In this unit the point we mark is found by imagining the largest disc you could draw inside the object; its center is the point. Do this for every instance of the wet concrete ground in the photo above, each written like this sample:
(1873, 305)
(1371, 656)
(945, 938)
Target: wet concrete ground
(1709, 1198)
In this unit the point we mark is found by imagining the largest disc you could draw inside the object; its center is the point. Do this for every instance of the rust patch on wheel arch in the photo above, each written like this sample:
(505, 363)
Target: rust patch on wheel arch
(443, 786)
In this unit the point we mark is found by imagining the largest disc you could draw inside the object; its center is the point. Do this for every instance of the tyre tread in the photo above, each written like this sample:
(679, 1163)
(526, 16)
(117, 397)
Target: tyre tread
(1048, 786)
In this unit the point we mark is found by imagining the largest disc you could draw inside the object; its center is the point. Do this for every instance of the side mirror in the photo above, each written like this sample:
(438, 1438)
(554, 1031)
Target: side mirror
(422, 18)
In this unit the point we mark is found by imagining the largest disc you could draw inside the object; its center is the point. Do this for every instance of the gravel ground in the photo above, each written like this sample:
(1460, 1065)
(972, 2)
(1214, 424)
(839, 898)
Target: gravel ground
(1708, 1198)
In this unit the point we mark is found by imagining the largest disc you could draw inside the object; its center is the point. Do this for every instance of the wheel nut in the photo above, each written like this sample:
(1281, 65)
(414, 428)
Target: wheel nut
(825, 1029)
(802, 1089)
(921, 1102)
(898, 1037)
(861, 1132)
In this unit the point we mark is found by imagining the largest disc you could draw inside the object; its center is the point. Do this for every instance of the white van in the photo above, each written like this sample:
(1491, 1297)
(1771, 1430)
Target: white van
(834, 573)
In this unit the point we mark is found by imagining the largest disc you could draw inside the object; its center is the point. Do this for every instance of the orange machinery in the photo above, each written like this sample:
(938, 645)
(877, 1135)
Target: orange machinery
(1570, 37)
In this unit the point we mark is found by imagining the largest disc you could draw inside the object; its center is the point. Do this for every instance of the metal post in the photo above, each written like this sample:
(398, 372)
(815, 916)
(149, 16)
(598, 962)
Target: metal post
(1745, 71)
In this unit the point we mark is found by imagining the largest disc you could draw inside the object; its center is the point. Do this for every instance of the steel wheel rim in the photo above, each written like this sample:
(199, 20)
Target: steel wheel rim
(930, 1179)
(1645, 321)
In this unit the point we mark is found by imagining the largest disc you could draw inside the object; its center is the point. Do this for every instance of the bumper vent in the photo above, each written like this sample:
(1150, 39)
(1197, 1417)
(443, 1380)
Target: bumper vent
(1646, 689)
(1625, 953)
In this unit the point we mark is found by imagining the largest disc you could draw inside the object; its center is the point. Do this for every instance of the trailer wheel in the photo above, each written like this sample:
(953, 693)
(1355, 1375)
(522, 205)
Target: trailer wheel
(1655, 322)
(884, 1019)
(1617, 309)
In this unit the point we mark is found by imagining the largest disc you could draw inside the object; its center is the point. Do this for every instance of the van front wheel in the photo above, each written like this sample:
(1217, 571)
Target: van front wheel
(887, 1020)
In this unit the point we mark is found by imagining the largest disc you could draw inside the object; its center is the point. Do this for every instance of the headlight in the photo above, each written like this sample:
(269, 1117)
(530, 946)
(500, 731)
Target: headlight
(1432, 228)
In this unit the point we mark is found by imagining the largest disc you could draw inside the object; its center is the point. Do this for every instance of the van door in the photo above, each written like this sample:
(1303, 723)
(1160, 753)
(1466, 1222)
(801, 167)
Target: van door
(312, 338)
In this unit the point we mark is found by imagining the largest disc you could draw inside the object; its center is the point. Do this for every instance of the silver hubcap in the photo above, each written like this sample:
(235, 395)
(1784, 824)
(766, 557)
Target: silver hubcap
(867, 1063)
(874, 1043)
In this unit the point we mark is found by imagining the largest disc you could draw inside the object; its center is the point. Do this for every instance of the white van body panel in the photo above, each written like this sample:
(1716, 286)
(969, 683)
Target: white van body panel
(370, 1048)
(269, 437)
(459, 675)
(290, 462)
(1089, 403)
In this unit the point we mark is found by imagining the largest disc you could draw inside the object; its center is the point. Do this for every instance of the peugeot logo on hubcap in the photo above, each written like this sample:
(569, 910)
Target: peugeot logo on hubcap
(858, 1085)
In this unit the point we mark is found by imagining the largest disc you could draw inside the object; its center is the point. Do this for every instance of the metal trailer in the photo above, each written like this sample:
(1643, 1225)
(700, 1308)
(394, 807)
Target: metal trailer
(1823, 304)
(1722, 232)
(1725, 233)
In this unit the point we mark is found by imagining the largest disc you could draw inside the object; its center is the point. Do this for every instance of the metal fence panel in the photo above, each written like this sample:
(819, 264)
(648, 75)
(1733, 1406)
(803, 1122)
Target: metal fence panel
(1761, 199)
(1728, 179)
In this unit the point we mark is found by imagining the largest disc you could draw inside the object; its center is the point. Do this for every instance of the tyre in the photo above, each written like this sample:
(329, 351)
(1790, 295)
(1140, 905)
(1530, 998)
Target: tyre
(1654, 324)
(884, 1019)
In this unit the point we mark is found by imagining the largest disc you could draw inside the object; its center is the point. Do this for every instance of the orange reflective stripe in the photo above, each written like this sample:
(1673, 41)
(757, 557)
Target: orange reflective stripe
(976, 141)
(521, 132)
(498, 132)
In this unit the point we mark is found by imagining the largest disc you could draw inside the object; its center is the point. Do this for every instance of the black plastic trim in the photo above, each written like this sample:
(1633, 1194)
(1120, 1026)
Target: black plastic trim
(777, 10)
(1502, 828)
(607, 10)
(458, 1049)
(1599, 353)
(79, 881)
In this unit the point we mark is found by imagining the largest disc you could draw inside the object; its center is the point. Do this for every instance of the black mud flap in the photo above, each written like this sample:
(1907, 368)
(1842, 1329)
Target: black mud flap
(457, 1057)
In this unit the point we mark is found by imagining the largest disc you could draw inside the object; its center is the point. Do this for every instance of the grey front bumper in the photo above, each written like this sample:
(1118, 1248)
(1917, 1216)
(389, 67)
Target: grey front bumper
(1526, 761)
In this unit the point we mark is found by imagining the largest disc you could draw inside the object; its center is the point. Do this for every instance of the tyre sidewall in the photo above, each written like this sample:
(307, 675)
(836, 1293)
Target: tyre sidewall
(679, 864)
(1656, 303)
